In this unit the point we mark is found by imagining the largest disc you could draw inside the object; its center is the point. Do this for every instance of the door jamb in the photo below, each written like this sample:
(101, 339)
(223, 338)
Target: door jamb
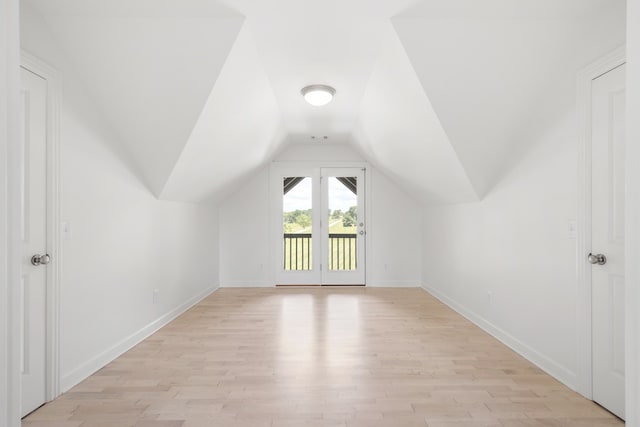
(584, 383)
(37, 66)
(9, 239)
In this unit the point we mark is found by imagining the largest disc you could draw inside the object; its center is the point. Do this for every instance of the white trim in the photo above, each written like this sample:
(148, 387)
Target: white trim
(248, 284)
(9, 213)
(583, 243)
(559, 372)
(632, 249)
(50, 75)
(395, 284)
(74, 377)
(370, 225)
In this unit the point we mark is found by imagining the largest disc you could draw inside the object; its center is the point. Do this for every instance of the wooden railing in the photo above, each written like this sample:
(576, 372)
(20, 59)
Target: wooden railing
(342, 251)
(298, 251)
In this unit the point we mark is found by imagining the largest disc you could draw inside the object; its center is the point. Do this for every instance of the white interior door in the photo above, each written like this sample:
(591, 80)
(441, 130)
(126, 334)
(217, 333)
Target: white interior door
(33, 229)
(608, 229)
(343, 226)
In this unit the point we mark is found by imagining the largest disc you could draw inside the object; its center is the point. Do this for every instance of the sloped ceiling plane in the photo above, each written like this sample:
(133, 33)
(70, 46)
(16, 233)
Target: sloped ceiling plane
(440, 95)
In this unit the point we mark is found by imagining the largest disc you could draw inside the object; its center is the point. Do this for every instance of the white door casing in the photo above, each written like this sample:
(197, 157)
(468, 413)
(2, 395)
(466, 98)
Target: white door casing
(317, 274)
(608, 129)
(33, 230)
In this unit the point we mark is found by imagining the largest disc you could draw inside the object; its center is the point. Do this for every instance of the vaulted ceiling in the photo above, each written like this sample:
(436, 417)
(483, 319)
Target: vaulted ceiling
(441, 95)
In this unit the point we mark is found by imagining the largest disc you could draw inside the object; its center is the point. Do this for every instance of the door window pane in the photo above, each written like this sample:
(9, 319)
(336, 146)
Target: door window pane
(343, 222)
(297, 223)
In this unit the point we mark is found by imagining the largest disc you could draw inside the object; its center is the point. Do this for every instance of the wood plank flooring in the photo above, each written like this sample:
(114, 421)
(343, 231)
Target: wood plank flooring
(346, 357)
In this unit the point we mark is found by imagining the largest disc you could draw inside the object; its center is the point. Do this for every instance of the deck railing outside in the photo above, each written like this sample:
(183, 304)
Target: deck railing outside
(342, 251)
(298, 251)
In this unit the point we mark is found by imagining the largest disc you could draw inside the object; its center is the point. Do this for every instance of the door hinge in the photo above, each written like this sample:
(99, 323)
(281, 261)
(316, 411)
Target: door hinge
(320, 267)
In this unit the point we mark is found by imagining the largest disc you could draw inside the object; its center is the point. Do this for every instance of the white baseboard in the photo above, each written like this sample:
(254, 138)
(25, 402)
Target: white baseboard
(93, 365)
(376, 284)
(552, 368)
(247, 284)
(393, 284)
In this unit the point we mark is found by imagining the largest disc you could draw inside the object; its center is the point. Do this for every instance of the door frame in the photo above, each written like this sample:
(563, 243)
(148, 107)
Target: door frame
(10, 253)
(52, 348)
(276, 168)
(584, 368)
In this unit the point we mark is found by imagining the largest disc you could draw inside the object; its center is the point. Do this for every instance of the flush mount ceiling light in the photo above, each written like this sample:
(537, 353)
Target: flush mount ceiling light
(318, 95)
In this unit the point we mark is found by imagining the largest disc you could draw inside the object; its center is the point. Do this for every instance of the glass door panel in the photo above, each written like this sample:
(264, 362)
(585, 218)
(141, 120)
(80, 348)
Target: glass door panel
(342, 222)
(296, 202)
(343, 231)
(297, 223)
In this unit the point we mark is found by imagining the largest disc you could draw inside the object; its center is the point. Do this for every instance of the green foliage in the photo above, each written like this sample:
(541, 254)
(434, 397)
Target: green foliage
(304, 220)
(299, 217)
(339, 221)
(350, 217)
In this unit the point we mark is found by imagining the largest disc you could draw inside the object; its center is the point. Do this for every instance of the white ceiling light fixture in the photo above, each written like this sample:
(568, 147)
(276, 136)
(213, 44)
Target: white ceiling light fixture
(318, 95)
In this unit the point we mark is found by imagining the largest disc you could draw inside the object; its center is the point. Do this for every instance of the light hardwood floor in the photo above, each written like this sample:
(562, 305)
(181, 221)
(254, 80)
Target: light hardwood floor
(320, 357)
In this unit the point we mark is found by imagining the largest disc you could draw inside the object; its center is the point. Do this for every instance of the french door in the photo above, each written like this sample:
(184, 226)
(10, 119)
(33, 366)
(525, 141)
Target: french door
(320, 226)
(342, 226)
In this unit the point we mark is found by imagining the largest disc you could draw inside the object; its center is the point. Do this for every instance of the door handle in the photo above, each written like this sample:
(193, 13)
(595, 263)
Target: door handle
(40, 259)
(599, 259)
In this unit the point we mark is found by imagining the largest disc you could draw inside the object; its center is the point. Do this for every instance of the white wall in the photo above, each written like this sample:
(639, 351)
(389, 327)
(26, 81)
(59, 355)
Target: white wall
(508, 260)
(393, 224)
(318, 152)
(393, 235)
(633, 215)
(9, 209)
(124, 242)
(244, 235)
